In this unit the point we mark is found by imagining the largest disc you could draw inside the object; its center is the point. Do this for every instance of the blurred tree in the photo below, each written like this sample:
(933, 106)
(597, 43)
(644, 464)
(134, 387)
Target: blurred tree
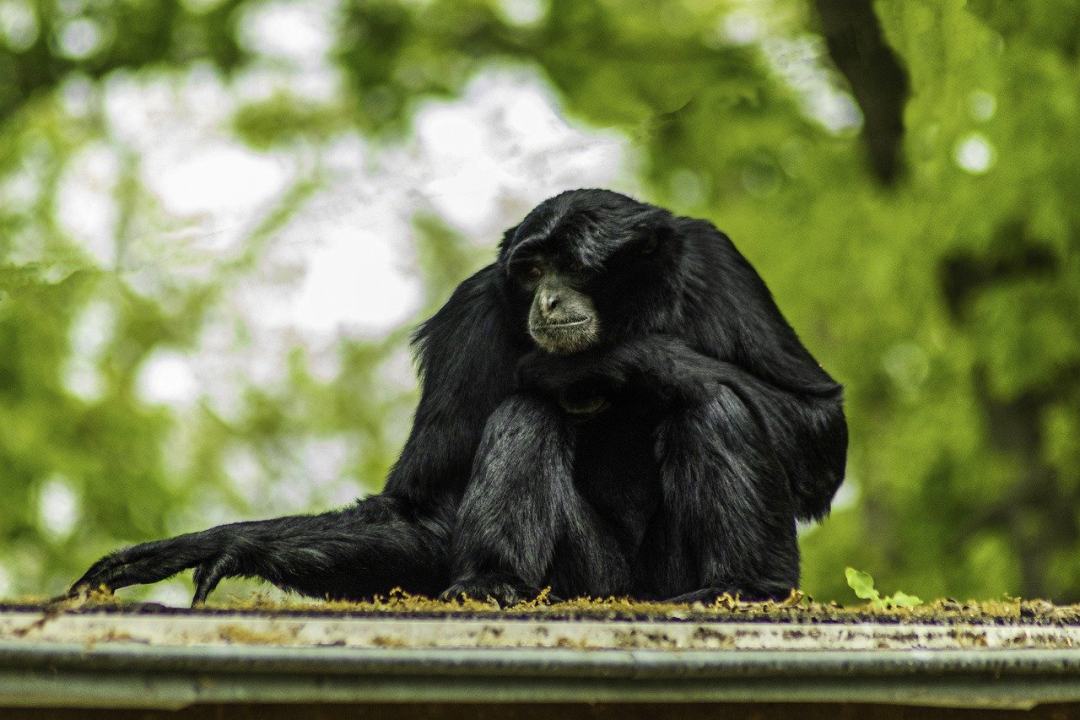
(46, 42)
(878, 81)
(945, 296)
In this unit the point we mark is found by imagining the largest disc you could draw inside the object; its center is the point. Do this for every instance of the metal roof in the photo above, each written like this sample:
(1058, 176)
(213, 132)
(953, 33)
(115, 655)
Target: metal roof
(171, 661)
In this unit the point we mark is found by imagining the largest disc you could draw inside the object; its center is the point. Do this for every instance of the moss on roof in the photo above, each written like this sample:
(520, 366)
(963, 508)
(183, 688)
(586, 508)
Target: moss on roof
(796, 608)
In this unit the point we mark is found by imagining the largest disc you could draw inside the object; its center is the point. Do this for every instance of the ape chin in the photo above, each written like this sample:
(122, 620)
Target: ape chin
(614, 406)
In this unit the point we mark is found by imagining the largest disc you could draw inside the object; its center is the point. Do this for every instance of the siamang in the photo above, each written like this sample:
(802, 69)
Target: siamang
(615, 406)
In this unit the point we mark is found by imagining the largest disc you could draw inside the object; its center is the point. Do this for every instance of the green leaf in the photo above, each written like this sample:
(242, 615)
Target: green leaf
(863, 585)
(902, 600)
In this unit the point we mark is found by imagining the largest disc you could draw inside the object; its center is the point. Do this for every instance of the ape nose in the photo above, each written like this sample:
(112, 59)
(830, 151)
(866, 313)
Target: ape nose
(549, 301)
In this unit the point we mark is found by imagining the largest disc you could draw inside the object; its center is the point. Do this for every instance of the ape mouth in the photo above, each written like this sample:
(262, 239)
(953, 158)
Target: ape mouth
(566, 337)
(566, 324)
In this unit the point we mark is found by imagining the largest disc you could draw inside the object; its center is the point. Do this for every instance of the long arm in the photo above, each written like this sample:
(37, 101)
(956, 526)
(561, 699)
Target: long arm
(806, 432)
(739, 459)
(729, 314)
(369, 548)
(398, 538)
(466, 354)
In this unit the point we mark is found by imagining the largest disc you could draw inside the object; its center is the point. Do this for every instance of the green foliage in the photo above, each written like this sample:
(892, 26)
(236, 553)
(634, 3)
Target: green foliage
(947, 302)
(281, 119)
(46, 42)
(863, 585)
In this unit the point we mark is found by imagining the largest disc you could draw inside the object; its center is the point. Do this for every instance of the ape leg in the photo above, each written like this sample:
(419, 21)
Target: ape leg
(380, 543)
(728, 517)
(522, 524)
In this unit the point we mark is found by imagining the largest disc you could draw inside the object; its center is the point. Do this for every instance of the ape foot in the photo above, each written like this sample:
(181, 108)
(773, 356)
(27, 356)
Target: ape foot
(498, 590)
(709, 595)
(706, 595)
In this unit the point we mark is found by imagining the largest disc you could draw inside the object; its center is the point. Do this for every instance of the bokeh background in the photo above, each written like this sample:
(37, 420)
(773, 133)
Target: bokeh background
(220, 218)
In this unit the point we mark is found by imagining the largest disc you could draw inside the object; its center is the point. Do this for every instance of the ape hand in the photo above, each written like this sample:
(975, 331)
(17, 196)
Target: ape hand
(579, 373)
(215, 554)
(581, 383)
(662, 365)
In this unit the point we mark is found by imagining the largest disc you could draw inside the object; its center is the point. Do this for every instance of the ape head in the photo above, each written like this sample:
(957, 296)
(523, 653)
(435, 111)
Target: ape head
(589, 267)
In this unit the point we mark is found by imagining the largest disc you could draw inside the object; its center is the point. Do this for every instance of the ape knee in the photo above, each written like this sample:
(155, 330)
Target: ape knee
(801, 439)
(722, 418)
(715, 455)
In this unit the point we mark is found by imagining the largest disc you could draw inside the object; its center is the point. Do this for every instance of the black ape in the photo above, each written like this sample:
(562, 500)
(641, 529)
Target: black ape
(615, 406)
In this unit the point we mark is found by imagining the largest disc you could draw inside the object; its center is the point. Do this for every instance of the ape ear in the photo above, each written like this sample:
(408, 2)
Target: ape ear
(659, 234)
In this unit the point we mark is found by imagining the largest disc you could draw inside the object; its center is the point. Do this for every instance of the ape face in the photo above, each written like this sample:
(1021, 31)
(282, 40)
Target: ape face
(562, 317)
(588, 267)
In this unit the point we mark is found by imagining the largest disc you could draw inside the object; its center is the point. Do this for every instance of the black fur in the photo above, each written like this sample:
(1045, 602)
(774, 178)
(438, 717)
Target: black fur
(669, 460)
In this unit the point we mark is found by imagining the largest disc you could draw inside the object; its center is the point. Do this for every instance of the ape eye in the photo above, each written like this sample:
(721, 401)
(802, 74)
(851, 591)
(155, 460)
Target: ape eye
(533, 272)
(649, 246)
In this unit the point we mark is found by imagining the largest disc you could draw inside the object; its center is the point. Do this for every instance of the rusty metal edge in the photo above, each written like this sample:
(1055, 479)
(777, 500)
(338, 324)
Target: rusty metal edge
(132, 675)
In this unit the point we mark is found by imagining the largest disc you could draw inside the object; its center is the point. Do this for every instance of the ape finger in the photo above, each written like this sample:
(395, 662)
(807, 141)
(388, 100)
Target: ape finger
(107, 572)
(121, 574)
(207, 577)
(141, 564)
